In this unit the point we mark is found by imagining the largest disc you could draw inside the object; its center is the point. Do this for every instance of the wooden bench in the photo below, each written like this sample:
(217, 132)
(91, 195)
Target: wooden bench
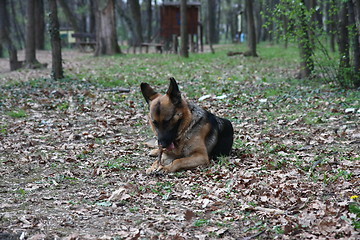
(84, 40)
(158, 47)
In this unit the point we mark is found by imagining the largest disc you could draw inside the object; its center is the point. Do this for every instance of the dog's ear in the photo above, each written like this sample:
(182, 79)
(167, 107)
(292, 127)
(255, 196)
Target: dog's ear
(174, 92)
(148, 93)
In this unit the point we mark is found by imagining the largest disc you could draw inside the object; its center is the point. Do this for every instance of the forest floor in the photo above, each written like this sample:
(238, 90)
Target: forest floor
(73, 158)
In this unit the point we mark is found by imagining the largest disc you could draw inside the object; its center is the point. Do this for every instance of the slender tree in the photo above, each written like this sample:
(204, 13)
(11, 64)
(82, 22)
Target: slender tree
(57, 70)
(39, 25)
(332, 23)
(136, 21)
(354, 10)
(344, 65)
(74, 22)
(251, 29)
(184, 35)
(106, 37)
(30, 51)
(122, 11)
(92, 23)
(305, 47)
(211, 15)
(210, 24)
(5, 36)
(357, 14)
(149, 20)
(18, 29)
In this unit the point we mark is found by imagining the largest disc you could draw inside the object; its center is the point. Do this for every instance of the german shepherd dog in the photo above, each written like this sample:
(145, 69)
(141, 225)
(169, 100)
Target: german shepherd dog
(188, 136)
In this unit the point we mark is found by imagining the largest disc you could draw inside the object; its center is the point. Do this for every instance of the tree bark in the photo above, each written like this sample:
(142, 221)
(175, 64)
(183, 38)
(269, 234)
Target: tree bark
(211, 15)
(5, 36)
(149, 20)
(357, 14)
(122, 13)
(251, 29)
(92, 17)
(332, 24)
(69, 15)
(218, 21)
(355, 43)
(210, 24)
(57, 70)
(307, 63)
(184, 36)
(39, 25)
(136, 21)
(30, 50)
(344, 37)
(106, 37)
(18, 30)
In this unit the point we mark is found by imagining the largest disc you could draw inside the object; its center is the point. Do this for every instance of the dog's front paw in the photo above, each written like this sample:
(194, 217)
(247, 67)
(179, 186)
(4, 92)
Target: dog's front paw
(154, 153)
(157, 169)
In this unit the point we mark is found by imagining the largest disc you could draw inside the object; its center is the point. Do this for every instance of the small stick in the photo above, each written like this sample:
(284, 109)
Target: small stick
(160, 155)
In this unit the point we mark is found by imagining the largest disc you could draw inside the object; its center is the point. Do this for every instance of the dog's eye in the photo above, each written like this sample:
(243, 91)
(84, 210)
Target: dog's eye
(156, 124)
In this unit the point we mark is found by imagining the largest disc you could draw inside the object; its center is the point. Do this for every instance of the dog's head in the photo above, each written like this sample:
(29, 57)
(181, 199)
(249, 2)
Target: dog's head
(166, 112)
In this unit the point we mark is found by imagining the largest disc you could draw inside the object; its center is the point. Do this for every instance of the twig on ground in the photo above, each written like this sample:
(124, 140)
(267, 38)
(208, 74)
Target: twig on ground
(160, 155)
(121, 90)
(268, 210)
(253, 236)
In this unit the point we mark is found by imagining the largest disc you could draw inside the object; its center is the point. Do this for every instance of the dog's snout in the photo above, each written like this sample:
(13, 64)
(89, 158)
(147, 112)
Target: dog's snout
(163, 143)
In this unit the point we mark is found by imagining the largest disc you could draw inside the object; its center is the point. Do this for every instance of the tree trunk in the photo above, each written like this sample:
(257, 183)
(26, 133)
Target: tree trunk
(92, 17)
(30, 51)
(344, 39)
(251, 29)
(39, 25)
(5, 36)
(149, 20)
(106, 37)
(307, 63)
(259, 21)
(209, 21)
(211, 15)
(355, 44)
(69, 15)
(82, 15)
(330, 23)
(184, 36)
(312, 7)
(218, 21)
(230, 21)
(122, 13)
(57, 70)
(18, 30)
(357, 14)
(136, 22)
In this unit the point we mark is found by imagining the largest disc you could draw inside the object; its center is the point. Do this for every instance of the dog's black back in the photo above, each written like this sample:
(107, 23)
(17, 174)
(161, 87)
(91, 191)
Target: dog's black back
(224, 131)
(219, 140)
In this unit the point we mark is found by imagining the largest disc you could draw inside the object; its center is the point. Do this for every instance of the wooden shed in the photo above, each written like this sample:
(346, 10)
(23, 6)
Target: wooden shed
(170, 21)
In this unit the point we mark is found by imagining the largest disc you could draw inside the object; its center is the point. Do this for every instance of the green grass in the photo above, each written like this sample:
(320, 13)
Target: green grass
(200, 222)
(17, 113)
(119, 164)
(354, 207)
(3, 129)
